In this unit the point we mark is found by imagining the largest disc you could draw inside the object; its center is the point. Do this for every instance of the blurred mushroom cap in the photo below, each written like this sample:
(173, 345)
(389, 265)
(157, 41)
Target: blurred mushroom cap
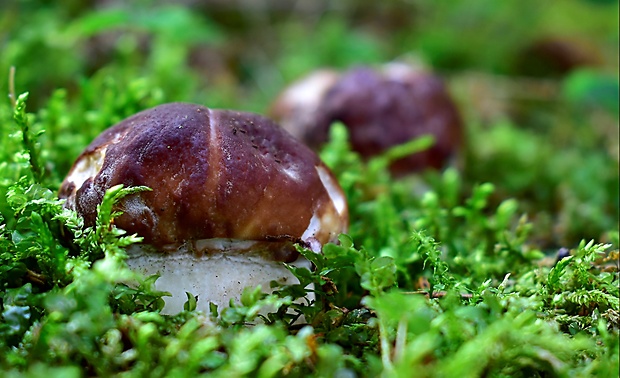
(381, 108)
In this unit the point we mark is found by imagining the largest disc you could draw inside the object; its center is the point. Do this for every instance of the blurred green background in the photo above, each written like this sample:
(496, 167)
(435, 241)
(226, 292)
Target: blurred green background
(536, 82)
(241, 53)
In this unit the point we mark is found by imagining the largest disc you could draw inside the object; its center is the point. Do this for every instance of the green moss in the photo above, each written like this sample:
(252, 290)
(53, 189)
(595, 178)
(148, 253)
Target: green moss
(452, 273)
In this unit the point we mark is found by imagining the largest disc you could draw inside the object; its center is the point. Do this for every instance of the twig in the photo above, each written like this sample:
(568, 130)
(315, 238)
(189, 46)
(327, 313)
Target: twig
(401, 339)
(12, 86)
(35, 277)
(385, 349)
(438, 294)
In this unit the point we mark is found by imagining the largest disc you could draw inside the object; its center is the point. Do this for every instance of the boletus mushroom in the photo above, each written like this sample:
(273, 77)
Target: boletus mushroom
(231, 194)
(381, 107)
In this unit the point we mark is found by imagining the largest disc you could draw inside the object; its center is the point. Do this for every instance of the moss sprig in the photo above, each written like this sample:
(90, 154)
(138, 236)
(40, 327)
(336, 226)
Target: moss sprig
(28, 138)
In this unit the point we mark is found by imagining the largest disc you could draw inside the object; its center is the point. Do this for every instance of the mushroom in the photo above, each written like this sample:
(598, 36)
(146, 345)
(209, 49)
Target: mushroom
(231, 194)
(380, 107)
(555, 56)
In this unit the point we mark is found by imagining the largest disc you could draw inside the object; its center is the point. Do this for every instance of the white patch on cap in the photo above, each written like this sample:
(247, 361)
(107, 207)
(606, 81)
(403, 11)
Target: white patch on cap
(90, 165)
(313, 228)
(292, 172)
(401, 71)
(136, 208)
(308, 92)
(298, 104)
(332, 188)
(87, 167)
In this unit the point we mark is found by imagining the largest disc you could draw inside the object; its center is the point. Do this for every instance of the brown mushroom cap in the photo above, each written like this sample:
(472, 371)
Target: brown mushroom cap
(213, 173)
(556, 56)
(381, 108)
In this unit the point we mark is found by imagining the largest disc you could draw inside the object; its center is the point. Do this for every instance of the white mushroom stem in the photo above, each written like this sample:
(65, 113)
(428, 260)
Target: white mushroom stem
(213, 277)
